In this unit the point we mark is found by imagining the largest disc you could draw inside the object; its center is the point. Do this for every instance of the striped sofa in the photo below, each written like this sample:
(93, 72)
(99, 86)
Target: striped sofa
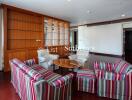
(114, 80)
(37, 83)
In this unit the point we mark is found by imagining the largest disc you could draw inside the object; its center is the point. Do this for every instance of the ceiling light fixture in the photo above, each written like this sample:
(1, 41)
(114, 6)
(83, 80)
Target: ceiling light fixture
(123, 15)
(88, 11)
(69, 0)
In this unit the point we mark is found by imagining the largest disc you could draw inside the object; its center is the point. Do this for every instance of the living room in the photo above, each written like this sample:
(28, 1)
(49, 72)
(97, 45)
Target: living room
(65, 50)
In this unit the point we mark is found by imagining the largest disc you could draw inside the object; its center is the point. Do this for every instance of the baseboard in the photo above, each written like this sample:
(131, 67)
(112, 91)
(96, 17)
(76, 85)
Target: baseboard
(109, 55)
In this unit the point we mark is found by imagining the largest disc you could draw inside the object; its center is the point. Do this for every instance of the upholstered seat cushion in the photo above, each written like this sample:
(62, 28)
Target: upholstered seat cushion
(62, 80)
(86, 73)
(47, 75)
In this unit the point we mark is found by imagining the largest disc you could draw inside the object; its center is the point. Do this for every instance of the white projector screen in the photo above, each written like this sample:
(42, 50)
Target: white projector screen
(102, 39)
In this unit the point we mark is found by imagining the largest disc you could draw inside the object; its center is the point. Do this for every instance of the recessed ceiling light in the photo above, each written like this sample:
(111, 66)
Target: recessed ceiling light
(88, 11)
(69, 0)
(123, 15)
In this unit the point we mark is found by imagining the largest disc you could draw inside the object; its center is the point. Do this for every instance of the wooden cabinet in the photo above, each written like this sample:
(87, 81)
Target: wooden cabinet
(25, 32)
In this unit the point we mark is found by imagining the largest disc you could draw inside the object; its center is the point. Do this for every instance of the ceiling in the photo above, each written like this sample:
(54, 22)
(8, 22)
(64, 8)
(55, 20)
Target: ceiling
(78, 11)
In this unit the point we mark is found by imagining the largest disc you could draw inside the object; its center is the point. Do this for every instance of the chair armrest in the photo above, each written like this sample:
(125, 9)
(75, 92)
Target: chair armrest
(81, 59)
(42, 59)
(101, 74)
(73, 57)
(60, 82)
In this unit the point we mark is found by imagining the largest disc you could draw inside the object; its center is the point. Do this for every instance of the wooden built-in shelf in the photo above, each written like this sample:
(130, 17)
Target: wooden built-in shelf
(25, 32)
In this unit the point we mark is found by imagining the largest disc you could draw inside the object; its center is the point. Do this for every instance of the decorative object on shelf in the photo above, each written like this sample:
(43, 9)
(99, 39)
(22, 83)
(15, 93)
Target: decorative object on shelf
(56, 32)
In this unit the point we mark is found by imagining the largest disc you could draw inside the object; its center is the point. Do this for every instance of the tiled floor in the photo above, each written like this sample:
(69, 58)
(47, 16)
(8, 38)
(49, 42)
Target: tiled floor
(7, 92)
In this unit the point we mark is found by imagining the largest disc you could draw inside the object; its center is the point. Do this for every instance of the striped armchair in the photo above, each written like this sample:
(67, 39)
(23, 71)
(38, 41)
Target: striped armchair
(38, 83)
(114, 80)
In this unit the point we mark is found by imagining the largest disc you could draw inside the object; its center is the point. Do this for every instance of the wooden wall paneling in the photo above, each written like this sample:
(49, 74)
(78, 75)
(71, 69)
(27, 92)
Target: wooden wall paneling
(14, 54)
(17, 54)
(23, 32)
(32, 54)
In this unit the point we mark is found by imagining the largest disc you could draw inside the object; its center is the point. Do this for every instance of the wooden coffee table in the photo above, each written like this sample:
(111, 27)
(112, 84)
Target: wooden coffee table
(66, 63)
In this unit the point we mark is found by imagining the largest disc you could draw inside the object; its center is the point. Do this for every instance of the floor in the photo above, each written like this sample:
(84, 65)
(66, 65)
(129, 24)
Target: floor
(7, 92)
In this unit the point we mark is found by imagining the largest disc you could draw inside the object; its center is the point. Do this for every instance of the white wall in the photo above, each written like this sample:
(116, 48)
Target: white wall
(102, 39)
(1, 40)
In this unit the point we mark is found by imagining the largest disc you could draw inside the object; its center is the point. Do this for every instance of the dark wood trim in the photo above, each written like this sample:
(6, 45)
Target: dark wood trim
(0, 5)
(124, 29)
(31, 12)
(109, 55)
(105, 22)
(5, 27)
(43, 43)
(74, 27)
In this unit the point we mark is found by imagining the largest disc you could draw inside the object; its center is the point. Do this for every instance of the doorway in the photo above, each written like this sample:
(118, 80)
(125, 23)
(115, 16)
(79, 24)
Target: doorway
(74, 39)
(128, 45)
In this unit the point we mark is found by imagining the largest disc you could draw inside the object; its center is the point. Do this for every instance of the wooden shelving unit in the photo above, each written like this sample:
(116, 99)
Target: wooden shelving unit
(25, 32)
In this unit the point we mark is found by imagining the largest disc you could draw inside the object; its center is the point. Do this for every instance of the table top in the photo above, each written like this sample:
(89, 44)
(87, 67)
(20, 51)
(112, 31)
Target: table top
(66, 63)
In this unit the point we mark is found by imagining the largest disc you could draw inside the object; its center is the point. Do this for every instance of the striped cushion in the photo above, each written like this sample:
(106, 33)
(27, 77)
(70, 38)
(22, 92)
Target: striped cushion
(62, 81)
(86, 73)
(103, 66)
(48, 75)
(123, 67)
(30, 62)
(100, 74)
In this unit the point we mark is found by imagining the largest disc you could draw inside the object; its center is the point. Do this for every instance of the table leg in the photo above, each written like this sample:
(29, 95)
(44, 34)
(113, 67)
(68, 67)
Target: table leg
(53, 67)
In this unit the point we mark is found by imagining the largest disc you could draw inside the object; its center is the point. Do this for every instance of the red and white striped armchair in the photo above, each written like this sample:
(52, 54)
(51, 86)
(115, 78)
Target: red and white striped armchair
(114, 80)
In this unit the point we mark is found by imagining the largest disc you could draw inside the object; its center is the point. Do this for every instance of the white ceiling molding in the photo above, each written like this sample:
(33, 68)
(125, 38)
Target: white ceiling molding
(78, 11)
